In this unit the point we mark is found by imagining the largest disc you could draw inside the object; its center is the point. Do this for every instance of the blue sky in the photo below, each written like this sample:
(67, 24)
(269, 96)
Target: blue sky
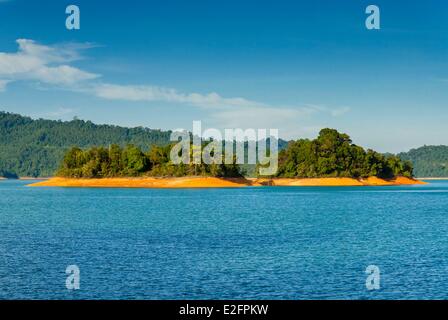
(293, 65)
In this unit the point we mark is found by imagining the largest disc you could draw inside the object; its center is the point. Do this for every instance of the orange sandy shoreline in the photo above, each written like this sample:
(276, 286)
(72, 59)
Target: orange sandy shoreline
(211, 182)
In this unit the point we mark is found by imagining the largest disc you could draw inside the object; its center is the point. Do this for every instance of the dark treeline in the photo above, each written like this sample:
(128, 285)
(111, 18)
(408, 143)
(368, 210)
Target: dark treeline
(131, 161)
(333, 154)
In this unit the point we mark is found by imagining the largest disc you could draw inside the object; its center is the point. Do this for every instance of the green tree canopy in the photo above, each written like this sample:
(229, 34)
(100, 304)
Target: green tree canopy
(333, 154)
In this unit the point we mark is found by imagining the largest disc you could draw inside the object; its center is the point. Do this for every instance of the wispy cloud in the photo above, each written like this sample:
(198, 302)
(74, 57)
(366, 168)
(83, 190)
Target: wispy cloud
(221, 112)
(43, 63)
(154, 93)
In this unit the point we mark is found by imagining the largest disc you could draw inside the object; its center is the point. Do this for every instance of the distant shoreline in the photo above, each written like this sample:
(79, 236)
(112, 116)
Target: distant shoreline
(435, 178)
(212, 182)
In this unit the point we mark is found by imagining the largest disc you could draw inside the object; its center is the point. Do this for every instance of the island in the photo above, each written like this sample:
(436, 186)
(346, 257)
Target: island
(329, 160)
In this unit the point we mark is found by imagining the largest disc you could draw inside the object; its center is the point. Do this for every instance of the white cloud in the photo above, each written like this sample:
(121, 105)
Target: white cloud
(221, 112)
(154, 93)
(226, 112)
(65, 75)
(42, 63)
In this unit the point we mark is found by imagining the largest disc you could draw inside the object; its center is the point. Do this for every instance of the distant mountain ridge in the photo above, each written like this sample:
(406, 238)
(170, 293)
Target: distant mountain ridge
(429, 161)
(35, 148)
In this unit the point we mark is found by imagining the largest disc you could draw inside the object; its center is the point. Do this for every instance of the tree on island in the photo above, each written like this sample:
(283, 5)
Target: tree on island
(333, 154)
(131, 161)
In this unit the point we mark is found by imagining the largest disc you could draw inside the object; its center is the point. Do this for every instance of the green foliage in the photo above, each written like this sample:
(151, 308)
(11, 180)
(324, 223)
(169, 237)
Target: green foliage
(36, 147)
(134, 161)
(131, 161)
(333, 154)
(429, 161)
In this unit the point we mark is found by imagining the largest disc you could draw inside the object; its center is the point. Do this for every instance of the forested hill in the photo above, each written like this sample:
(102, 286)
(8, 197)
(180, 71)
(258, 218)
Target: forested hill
(429, 161)
(36, 147)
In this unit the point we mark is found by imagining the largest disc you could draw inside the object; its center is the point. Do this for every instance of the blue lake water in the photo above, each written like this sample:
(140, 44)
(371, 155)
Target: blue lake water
(248, 243)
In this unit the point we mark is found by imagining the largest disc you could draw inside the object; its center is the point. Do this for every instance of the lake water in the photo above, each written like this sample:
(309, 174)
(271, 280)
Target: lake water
(248, 243)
